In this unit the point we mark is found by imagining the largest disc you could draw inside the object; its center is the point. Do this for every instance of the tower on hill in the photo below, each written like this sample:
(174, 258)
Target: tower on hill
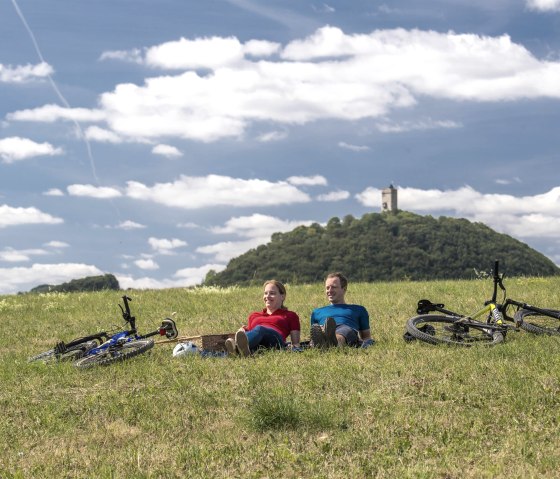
(389, 199)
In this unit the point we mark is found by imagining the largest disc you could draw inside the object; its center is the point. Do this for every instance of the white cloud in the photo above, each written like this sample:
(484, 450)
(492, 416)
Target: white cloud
(193, 276)
(11, 255)
(15, 216)
(149, 264)
(338, 195)
(226, 250)
(544, 5)
(535, 216)
(54, 192)
(101, 192)
(183, 54)
(272, 136)
(24, 73)
(17, 279)
(307, 180)
(52, 113)
(132, 56)
(102, 135)
(257, 228)
(235, 90)
(191, 192)
(388, 126)
(130, 225)
(15, 148)
(166, 246)
(348, 146)
(57, 244)
(181, 279)
(167, 151)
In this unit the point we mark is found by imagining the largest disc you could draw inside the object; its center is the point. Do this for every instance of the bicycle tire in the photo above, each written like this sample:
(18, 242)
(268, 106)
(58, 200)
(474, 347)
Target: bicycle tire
(116, 354)
(71, 354)
(442, 329)
(538, 323)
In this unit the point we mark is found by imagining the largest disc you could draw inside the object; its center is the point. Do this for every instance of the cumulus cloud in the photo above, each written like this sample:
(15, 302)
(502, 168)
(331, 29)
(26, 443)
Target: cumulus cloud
(544, 5)
(217, 89)
(24, 73)
(17, 279)
(257, 228)
(16, 216)
(338, 195)
(130, 225)
(102, 135)
(182, 278)
(15, 148)
(191, 192)
(523, 217)
(351, 147)
(101, 192)
(272, 136)
(148, 264)
(11, 255)
(167, 151)
(388, 126)
(52, 113)
(307, 180)
(166, 246)
(54, 192)
(57, 244)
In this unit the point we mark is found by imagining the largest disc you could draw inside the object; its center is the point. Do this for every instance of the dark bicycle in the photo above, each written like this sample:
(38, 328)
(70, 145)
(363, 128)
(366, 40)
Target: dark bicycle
(107, 347)
(450, 327)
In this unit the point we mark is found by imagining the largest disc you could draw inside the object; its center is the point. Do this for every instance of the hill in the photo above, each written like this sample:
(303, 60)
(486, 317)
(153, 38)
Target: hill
(91, 283)
(385, 246)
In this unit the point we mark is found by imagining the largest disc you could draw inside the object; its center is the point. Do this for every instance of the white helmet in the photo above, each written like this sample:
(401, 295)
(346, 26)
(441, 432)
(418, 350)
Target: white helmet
(182, 349)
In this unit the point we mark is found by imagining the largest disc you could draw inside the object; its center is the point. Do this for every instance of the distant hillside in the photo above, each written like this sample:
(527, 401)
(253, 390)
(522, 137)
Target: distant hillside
(91, 283)
(384, 246)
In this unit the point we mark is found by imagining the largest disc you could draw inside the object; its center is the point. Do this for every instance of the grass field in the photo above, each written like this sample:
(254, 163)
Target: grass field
(396, 410)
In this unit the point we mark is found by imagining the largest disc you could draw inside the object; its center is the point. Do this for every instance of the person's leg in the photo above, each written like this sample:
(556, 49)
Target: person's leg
(346, 336)
(263, 336)
(330, 332)
(271, 339)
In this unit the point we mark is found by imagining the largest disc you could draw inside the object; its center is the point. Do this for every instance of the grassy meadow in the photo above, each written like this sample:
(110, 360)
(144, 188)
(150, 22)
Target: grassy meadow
(396, 410)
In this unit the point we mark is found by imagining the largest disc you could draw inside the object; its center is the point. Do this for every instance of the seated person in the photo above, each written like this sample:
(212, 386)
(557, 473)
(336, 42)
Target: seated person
(268, 328)
(339, 324)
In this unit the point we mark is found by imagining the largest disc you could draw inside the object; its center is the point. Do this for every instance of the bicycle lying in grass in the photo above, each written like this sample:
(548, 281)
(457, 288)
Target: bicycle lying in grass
(453, 328)
(107, 347)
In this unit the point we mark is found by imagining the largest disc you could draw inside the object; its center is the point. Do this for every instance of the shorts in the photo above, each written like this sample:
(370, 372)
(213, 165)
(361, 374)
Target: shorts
(351, 335)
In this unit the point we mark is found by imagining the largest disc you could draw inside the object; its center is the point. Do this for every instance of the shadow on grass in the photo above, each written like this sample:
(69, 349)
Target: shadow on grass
(271, 410)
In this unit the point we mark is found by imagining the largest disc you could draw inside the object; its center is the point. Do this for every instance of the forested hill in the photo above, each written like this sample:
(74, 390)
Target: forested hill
(384, 246)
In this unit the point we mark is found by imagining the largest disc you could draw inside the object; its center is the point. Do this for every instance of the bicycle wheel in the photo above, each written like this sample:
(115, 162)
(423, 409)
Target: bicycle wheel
(70, 354)
(116, 353)
(538, 323)
(441, 329)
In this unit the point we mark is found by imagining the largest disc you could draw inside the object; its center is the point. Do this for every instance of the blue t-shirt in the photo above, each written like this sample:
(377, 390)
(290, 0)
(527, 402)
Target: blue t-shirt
(352, 315)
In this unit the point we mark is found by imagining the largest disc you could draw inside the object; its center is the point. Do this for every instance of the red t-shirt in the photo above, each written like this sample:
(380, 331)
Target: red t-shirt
(282, 320)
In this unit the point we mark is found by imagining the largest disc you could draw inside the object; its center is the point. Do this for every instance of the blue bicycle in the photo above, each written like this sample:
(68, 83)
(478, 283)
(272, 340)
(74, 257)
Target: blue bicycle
(104, 347)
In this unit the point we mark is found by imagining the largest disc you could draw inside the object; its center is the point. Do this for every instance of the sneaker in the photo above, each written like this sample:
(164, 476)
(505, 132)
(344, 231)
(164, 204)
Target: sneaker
(242, 343)
(330, 332)
(318, 336)
(230, 347)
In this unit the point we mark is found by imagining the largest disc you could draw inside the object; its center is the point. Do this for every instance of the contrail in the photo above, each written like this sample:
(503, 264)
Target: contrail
(57, 91)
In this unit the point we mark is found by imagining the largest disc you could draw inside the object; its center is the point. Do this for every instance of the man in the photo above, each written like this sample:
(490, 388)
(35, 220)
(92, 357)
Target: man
(339, 324)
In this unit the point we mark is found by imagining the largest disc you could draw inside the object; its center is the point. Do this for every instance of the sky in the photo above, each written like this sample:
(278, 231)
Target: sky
(157, 140)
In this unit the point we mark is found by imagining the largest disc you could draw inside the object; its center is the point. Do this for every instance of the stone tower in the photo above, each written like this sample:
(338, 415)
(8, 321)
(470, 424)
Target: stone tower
(389, 199)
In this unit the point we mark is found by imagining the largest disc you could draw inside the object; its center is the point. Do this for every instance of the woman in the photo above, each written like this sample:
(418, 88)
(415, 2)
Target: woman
(268, 328)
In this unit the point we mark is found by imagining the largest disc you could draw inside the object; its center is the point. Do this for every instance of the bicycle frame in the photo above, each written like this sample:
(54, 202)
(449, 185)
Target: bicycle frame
(108, 340)
(495, 311)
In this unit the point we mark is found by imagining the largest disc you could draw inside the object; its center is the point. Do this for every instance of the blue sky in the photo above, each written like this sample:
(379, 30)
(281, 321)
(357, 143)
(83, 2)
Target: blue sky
(157, 140)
